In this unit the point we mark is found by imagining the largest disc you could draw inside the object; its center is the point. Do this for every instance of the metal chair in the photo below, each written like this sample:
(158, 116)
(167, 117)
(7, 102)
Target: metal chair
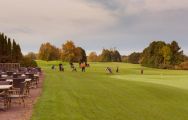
(18, 93)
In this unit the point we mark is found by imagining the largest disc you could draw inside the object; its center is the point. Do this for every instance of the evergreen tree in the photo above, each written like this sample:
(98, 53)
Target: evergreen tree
(105, 56)
(14, 51)
(18, 53)
(1, 47)
(9, 46)
(117, 56)
(177, 54)
(6, 47)
(9, 52)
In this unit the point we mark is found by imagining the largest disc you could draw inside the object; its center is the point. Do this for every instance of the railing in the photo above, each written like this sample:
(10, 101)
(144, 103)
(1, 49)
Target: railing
(9, 66)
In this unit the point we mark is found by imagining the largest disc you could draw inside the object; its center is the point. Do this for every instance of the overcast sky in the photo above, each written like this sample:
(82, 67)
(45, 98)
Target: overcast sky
(128, 25)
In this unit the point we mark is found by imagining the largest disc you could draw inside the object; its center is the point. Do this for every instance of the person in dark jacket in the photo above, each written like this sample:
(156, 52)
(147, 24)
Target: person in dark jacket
(117, 70)
(61, 67)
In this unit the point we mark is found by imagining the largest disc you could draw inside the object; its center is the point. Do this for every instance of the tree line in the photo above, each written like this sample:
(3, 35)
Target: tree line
(107, 55)
(68, 53)
(162, 55)
(159, 55)
(10, 51)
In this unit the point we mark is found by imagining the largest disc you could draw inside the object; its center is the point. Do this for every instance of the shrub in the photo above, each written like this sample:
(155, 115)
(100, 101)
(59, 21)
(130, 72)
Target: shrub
(28, 62)
(134, 58)
(183, 66)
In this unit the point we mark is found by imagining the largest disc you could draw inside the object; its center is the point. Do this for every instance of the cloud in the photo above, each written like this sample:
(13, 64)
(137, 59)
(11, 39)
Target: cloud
(33, 21)
(130, 7)
(48, 16)
(94, 24)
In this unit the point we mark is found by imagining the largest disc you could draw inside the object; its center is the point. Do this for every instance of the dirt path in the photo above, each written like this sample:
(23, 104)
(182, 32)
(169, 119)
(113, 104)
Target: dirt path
(18, 112)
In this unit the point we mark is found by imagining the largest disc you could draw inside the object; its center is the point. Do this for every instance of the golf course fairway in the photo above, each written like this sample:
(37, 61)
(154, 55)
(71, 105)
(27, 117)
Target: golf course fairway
(97, 95)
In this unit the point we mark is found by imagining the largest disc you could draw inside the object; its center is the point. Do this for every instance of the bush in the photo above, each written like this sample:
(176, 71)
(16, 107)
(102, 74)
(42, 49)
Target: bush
(183, 66)
(134, 58)
(28, 62)
(166, 66)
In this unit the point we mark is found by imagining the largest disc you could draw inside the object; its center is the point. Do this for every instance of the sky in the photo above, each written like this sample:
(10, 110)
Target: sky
(127, 25)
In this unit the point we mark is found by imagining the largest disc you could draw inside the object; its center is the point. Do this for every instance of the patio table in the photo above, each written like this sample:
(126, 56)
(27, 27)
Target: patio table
(5, 88)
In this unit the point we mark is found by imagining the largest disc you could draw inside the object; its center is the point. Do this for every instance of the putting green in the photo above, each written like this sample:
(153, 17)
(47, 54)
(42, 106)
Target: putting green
(179, 81)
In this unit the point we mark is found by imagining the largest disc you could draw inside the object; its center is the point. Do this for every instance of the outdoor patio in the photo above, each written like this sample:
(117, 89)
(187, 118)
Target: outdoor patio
(19, 90)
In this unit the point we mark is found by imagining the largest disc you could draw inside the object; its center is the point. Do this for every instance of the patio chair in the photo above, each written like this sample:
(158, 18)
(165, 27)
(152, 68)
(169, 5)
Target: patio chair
(18, 93)
(2, 79)
(10, 73)
(34, 80)
(17, 75)
(17, 82)
(4, 100)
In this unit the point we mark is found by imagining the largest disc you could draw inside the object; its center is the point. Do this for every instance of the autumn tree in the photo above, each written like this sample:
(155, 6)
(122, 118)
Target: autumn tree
(185, 58)
(49, 52)
(93, 57)
(68, 51)
(162, 55)
(31, 55)
(80, 55)
(124, 58)
(167, 54)
(152, 55)
(71, 53)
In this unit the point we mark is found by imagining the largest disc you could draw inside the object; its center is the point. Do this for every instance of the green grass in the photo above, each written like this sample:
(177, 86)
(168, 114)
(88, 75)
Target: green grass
(95, 95)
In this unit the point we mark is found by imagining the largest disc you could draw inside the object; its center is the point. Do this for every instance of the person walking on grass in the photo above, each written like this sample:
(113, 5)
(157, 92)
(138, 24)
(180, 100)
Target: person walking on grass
(73, 67)
(142, 71)
(117, 70)
(83, 67)
(53, 67)
(61, 67)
